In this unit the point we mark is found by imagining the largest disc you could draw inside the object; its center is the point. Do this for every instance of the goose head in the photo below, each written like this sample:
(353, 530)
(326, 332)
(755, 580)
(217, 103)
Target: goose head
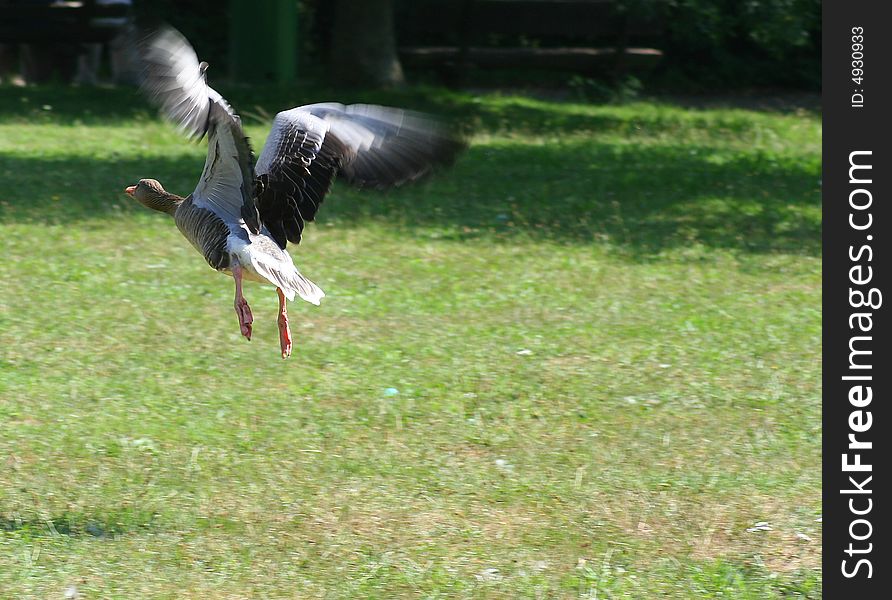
(151, 194)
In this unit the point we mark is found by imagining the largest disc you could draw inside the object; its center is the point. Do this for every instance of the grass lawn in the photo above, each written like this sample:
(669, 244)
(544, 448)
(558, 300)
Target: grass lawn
(601, 329)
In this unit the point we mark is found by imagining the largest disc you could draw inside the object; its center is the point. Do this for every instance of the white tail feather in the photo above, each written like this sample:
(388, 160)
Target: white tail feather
(279, 271)
(290, 283)
(305, 288)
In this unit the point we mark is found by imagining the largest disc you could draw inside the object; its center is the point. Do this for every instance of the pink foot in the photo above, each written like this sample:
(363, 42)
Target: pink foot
(284, 329)
(242, 310)
(284, 336)
(245, 318)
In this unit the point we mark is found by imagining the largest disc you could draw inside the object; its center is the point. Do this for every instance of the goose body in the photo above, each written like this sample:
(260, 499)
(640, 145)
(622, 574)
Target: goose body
(243, 212)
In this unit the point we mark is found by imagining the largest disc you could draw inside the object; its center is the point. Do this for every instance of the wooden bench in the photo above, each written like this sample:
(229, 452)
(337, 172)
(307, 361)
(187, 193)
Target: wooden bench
(35, 22)
(485, 34)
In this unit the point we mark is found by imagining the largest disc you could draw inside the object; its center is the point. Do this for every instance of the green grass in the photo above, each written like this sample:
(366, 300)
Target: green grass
(603, 323)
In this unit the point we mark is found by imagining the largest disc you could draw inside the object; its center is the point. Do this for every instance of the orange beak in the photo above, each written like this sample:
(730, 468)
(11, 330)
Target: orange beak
(130, 190)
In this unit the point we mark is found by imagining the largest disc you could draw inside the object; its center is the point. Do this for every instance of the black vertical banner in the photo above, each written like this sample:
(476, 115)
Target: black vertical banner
(857, 171)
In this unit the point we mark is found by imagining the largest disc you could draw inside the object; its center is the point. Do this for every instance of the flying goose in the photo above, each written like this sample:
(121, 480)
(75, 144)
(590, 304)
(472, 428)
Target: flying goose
(243, 212)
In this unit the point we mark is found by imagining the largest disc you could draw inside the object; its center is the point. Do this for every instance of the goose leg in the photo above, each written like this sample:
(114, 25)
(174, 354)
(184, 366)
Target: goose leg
(284, 329)
(241, 305)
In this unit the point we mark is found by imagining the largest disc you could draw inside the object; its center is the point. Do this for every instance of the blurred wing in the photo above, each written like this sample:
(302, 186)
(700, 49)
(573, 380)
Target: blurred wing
(388, 146)
(174, 80)
(368, 146)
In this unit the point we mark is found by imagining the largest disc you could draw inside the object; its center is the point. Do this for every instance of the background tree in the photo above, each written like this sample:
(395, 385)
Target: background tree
(363, 48)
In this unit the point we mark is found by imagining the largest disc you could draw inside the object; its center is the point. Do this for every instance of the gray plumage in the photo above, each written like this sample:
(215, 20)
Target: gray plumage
(206, 231)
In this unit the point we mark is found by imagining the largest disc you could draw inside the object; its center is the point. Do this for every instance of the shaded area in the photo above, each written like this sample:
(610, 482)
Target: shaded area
(642, 179)
(92, 105)
(641, 198)
(78, 525)
(780, 102)
(258, 104)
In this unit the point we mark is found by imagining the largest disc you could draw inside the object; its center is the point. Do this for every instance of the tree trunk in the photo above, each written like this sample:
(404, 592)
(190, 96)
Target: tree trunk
(363, 44)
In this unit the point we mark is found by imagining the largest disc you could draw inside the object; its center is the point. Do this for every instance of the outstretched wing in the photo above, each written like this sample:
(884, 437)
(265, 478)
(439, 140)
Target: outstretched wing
(388, 146)
(175, 81)
(294, 172)
(227, 183)
(368, 146)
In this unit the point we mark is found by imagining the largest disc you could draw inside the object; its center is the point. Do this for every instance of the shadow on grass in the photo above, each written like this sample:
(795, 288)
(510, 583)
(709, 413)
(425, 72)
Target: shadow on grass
(642, 198)
(75, 525)
(464, 110)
